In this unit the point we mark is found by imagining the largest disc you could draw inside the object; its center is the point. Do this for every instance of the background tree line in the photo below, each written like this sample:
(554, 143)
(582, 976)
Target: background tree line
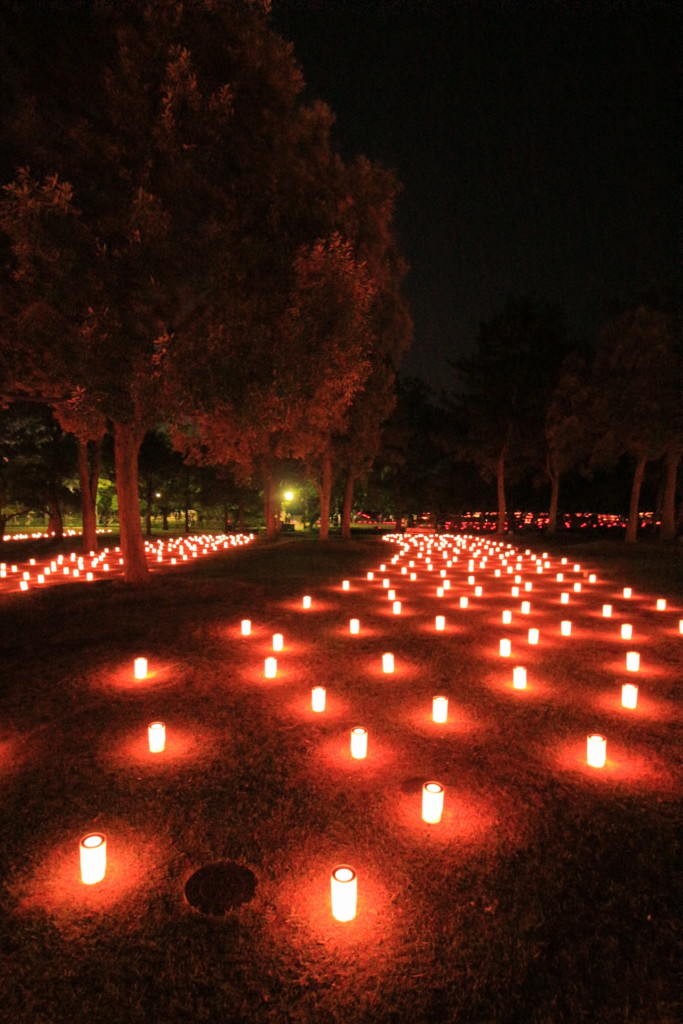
(185, 251)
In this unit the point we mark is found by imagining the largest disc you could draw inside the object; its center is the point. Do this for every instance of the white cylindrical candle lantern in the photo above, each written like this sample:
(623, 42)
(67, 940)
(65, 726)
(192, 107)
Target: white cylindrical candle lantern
(629, 695)
(396, 607)
(514, 591)
(440, 591)
(592, 578)
(526, 607)
(359, 742)
(246, 627)
(344, 893)
(440, 623)
(156, 736)
(446, 584)
(345, 584)
(661, 604)
(633, 661)
(440, 709)
(318, 696)
(432, 802)
(627, 592)
(607, 611)
(528, 586)
(385, 583)
(306, 602)
(566, 627)
(354, 626)
(478, 591)
(505, 648)
(533, 636)
(371, 575)
(564, 598)
(626, 631)
(464, 602)
(519, 677)
(387, 663)
(559, 577)
(278, 641)
(271, 668)
(93, 851)
(507, 617)
(596, 751)
(140, 668)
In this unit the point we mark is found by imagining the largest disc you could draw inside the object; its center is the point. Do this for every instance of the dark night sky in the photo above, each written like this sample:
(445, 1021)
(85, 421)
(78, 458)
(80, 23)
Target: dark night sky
(537, 144)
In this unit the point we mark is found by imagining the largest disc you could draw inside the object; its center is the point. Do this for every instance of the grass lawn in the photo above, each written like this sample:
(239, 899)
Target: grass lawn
(547, 894)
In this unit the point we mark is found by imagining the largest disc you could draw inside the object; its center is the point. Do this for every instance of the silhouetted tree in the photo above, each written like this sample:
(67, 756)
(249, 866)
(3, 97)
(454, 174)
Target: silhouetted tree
(504, 387)
(637, 386)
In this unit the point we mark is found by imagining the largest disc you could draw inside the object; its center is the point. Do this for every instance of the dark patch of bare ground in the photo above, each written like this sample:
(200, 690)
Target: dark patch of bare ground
(547, 895)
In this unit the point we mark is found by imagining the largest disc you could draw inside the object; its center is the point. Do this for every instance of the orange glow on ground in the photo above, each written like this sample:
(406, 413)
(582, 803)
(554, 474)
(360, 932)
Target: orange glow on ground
(182, 745)
(54, 886)
(335, 708)
(468, 819)
(537, 688)
(301, 898)
(158, 674)
(460, 722)
(335, 752)
(626, 765)
(647, 709)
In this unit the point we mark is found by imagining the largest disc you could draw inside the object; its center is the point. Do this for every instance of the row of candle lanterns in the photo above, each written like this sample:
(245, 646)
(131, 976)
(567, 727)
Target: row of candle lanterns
(343, 879)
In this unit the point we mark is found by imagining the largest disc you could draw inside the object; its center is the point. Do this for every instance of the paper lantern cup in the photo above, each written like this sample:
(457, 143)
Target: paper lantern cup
(432, 802)
(344, 890)
(519, 677)
(318, 698)
(156, 737)
(440, 709)
(359, 743)
(93, 856)
(629, 695)
(596, 751)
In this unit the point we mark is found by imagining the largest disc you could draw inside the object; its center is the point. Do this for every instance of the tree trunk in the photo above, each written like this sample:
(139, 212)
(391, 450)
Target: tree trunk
(668, 527)
(3, 524)
(554, 499)
(88, 510)
(632, 526)
(348, 505)
(325, 494)
(500, 489)
(269, 507)
(127, 441)
(240, 513)
(55, 525)
(164, 519)
(148, 511)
